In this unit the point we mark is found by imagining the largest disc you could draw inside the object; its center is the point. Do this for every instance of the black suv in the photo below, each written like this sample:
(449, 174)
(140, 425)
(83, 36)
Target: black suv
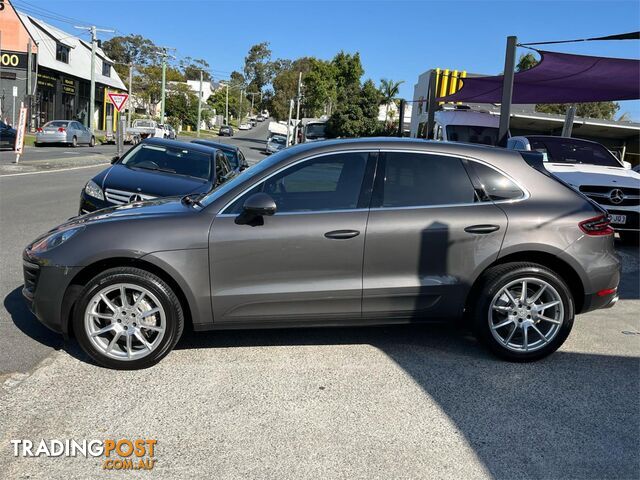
(233, 153)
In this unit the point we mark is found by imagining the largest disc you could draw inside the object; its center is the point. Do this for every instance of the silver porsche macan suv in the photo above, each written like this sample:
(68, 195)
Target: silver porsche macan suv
(345, 232)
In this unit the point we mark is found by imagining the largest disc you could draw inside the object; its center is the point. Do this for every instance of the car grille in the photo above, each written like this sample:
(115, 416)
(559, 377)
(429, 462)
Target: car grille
(612, 196)
(31, 273)
(122, 197)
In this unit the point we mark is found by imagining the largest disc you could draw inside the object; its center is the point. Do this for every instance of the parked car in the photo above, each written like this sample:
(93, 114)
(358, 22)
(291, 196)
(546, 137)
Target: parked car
(253, 122)
(225, 131)
(343, 232)
(145, 128)
(593, 170)
(156, 168)
(7, 136)
(260, 118)
(275, 143)
(169, 132)
(234, 155)
(67, 132)
(244, 126)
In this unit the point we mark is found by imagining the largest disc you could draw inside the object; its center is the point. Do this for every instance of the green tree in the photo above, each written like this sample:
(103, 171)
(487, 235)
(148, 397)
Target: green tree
(130, 49)
(258, 69)
(320, 90)
(389, 91)
(191, 69)
(605, 110)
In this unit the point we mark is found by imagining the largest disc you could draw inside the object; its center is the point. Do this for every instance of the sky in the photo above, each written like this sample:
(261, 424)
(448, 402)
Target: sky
(396, 39)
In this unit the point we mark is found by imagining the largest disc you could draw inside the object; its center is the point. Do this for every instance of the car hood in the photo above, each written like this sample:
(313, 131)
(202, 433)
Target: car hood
(581, 174)
(156, 184)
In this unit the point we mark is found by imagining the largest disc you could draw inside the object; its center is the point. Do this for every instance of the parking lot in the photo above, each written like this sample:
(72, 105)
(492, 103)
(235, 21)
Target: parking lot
(400, 402)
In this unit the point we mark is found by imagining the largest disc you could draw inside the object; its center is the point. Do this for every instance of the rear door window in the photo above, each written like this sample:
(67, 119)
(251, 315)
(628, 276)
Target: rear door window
(418, 180)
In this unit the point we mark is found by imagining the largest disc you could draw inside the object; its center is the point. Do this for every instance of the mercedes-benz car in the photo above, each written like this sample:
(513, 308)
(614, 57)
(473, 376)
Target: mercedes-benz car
(593, 170)
(156, 168)
(342, 232)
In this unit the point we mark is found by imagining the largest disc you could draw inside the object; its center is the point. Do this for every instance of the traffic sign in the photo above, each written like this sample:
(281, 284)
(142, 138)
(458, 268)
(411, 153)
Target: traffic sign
(118, 100)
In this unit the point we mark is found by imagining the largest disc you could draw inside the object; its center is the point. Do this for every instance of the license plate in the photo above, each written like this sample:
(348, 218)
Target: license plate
(620, 219)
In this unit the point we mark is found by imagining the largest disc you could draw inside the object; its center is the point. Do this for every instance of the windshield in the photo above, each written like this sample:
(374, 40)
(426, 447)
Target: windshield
(178, 161)
(315, 130)
(568, 150)
(472, 134)
(56, 124)
(240, 178)
(278, 139)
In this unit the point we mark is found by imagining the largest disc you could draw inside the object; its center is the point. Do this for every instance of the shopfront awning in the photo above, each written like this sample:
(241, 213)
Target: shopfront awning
(559, 78)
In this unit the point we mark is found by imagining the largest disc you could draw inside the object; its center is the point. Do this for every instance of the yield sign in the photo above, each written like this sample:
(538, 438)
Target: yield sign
(118, 100)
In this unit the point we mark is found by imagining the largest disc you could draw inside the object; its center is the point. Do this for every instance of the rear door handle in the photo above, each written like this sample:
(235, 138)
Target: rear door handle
(482, 229)
(342, 234)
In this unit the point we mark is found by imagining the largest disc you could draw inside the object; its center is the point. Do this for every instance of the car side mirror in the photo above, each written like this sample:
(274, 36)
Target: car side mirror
(255, 208)
(626, 165)
(115, 159)
(260, 204)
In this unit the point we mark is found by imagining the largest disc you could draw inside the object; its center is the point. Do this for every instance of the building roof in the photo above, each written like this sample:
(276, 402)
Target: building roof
(47, 36)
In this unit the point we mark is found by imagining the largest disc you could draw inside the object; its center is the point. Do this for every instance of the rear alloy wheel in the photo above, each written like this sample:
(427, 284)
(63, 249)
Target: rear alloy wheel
(92, 142)
(127, 318)
(524, 311)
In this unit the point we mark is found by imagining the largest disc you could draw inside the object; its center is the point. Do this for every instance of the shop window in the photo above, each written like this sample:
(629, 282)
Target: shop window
(62, 53)
(106, 69)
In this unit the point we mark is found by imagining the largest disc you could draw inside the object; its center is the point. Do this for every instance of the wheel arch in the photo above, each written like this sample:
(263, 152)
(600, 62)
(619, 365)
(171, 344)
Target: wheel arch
(566, 271)
(90, 271)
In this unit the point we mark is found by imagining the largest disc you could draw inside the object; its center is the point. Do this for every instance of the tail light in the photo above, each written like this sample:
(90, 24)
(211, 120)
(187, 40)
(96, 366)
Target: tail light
(61, 130)
(39, 130)
(596, 226)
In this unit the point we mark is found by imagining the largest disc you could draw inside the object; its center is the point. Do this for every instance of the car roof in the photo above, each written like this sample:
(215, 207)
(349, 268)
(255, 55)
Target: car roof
(165, 142)
(211, 143)
(556, 137)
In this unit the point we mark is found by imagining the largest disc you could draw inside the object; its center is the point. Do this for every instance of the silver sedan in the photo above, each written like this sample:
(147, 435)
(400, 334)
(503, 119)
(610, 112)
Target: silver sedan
(67, 132)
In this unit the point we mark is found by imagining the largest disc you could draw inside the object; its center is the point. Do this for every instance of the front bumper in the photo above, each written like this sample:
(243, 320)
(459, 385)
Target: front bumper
(90, 204)
(44, 290)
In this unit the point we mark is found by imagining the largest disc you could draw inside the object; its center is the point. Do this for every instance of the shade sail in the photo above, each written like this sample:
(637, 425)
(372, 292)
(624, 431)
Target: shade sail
(559, 78)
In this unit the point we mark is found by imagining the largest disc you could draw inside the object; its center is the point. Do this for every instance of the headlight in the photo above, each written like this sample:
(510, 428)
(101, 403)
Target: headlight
(54, 240)
(92, 189)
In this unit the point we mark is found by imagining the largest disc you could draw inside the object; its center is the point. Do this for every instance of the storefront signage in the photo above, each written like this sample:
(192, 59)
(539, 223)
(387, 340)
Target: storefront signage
(14, 60)
(46, 80)
(69, 86)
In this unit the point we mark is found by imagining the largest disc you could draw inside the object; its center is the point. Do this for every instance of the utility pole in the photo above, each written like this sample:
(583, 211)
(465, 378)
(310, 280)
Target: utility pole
(289, 122)
(164, 84)
(130, 94)
(295, 131)
(199, 106)
(507, 90)
(240, 108)
(226, 106)
(92, 94)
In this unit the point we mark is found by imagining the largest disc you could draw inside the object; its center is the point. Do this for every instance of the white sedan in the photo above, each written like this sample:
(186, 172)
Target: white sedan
(244, 126)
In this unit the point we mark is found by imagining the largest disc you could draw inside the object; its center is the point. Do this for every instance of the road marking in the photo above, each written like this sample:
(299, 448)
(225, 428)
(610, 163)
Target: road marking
(52, 171)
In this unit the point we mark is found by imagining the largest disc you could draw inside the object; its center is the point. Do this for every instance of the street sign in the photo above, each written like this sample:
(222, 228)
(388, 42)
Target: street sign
(15, 91)
(118, 100)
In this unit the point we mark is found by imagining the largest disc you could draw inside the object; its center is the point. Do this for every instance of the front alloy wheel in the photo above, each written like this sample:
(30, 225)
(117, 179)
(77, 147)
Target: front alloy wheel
(127, 318)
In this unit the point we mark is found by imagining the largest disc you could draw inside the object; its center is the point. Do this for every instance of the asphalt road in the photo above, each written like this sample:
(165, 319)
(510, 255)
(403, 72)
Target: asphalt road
(392, 402)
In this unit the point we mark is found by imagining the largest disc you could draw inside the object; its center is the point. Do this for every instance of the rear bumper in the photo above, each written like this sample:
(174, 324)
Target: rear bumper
(54, 138)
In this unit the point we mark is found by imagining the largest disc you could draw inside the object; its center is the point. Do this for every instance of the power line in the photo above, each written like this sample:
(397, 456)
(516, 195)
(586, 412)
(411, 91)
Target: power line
(37, 10)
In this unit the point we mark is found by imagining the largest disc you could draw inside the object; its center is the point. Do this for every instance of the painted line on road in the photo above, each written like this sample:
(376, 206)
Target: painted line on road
(52, 171)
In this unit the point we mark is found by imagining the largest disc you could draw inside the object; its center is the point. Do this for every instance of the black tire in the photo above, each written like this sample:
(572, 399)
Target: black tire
(490, 284)
(630, 237)
(74, 142)
(92, 142)
(37, 144)
(143, 278)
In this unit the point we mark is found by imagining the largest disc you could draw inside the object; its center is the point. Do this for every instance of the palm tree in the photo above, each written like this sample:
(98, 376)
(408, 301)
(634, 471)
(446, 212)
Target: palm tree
(389, 90)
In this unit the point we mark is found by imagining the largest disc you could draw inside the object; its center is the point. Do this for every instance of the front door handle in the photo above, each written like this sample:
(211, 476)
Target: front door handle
(482, 229)
(342, 234)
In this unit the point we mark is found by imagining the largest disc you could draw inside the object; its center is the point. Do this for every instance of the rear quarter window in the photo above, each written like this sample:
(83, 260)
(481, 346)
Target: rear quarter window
(496, 185)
